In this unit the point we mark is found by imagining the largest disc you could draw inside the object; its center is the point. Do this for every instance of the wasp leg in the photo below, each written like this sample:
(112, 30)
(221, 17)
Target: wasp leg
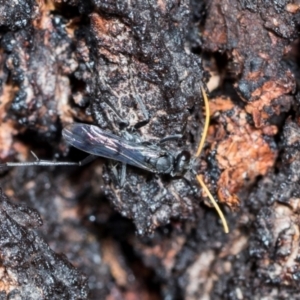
(140, 103)
(144, 111)
(170, 138)
(121, 178)
(107, 106)
(123, 175)
(46, 163)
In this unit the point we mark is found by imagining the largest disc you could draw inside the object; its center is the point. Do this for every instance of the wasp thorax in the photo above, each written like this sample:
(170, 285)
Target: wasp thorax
(164, 164)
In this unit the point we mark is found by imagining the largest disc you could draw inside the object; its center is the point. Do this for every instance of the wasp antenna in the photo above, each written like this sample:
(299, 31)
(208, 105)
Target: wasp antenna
(213, 201)
(206, 124)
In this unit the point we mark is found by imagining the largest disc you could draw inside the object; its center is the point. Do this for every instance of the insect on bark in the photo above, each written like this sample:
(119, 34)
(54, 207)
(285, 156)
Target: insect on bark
(97, 142)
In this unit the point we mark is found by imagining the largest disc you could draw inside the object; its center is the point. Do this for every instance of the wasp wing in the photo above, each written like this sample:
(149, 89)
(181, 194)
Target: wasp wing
(93, 140)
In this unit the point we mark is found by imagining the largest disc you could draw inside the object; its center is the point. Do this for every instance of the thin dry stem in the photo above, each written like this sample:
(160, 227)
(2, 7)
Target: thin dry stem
(200, 147)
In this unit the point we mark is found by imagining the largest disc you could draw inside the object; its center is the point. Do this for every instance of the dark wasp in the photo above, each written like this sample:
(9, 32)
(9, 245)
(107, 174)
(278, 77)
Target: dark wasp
(131, 151)
(137, 69)
(97, 142)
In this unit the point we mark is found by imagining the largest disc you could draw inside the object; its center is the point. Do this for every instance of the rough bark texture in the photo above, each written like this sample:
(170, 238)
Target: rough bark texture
(135, 68)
